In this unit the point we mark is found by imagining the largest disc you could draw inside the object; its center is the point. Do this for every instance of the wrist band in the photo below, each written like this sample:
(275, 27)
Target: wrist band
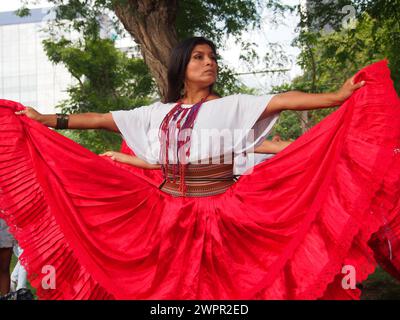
(62, 121)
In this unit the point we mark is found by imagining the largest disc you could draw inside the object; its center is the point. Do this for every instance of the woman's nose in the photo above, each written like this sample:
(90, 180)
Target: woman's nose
(209, 61)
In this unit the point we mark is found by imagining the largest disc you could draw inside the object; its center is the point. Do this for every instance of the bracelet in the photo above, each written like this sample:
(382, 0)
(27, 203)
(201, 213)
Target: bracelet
(62, 121)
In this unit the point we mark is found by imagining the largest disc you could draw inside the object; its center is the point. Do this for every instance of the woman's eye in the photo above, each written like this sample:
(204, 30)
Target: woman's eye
(200, 57)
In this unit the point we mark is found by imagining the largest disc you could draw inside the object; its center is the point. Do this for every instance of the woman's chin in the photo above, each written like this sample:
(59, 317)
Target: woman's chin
(209, 82)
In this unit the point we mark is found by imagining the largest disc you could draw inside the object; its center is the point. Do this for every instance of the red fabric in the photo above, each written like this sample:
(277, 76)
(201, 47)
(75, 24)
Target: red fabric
(155, 175)
(282, 232)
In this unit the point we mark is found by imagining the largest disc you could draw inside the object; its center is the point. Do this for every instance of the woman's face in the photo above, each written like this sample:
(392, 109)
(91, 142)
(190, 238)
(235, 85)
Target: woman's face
(202, 67)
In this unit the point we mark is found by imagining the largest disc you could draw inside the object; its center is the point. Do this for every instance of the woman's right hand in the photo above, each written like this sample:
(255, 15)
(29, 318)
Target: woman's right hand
(30, 113)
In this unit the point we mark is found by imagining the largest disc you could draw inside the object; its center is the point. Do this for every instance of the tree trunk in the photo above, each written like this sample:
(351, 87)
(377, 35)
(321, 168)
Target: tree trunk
(304, 121)
(152, 24)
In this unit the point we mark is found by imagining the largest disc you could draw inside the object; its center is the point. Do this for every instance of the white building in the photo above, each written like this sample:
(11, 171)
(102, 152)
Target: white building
(26, 74)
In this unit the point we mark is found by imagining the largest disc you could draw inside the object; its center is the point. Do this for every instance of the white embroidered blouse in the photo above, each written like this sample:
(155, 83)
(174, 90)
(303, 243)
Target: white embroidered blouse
(223, 126)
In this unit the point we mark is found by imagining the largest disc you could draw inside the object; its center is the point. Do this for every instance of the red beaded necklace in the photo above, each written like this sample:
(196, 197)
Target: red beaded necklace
(167, 135)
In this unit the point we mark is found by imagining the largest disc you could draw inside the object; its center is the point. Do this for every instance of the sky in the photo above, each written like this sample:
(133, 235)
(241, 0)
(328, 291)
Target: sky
(283, 34)
(268, 33)
(10, 5)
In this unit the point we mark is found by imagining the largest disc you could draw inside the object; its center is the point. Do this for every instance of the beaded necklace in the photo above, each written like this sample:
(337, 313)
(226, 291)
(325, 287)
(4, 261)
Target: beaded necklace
(172, 123)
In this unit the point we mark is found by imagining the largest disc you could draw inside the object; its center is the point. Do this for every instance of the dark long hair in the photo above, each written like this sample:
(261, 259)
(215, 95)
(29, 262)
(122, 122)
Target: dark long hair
(179, 59)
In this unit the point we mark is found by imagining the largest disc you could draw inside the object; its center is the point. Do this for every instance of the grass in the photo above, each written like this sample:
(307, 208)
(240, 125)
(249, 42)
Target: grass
(379, 285)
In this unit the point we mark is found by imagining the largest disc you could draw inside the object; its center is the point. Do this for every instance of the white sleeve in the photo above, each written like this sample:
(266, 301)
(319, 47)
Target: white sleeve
(134, 126)
(249, 109)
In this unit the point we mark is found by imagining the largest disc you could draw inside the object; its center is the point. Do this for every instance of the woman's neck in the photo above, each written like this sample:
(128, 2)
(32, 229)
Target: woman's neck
(194, 96)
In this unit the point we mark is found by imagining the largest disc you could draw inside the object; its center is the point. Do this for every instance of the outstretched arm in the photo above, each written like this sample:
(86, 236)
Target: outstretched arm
(129, 159)
(274, 146)
(88, 120)
(296, 100)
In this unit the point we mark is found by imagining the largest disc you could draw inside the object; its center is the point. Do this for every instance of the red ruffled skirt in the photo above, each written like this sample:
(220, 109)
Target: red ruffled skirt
(324, 209)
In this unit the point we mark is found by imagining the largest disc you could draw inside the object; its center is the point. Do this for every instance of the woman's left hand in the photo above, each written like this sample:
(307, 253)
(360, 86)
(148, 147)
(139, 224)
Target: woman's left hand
(348, 88)
(117, 156)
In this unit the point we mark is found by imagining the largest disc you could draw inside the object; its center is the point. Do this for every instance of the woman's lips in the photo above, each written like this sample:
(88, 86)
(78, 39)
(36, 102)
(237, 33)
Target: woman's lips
(209, 72)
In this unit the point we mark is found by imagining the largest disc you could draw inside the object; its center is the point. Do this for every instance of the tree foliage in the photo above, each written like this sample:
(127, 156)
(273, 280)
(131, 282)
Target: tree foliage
(329, 55)
(106, 78)
(374, 35)
(213, 19)
(157, 26)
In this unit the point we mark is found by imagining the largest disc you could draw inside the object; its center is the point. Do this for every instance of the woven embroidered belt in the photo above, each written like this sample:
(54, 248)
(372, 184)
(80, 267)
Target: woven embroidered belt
(201, 180)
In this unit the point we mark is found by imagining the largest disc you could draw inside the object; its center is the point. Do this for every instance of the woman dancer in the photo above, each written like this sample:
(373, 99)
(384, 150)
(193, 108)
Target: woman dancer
(287, 228)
